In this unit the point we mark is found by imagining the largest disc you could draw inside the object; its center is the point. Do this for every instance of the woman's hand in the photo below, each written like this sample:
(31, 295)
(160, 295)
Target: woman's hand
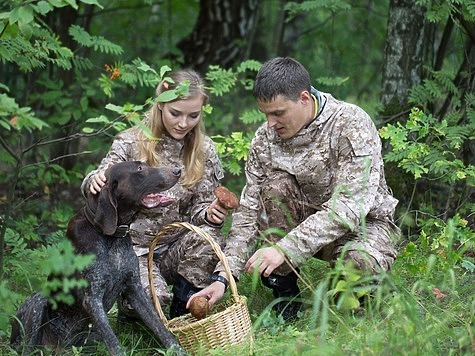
(98, 180)
(214, 292)
(216, 214)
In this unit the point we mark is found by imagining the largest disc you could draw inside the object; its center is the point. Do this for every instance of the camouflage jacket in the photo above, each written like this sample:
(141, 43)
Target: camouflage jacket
(338, 165)
(190, 204)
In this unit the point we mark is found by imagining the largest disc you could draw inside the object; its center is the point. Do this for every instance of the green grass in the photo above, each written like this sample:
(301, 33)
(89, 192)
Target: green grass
(422, 307)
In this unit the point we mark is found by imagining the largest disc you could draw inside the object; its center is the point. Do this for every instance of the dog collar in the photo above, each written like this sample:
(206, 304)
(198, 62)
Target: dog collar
(121, 230)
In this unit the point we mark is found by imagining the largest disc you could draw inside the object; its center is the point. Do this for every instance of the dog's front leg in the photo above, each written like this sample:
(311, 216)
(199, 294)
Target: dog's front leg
(143, 306)
(96, 311)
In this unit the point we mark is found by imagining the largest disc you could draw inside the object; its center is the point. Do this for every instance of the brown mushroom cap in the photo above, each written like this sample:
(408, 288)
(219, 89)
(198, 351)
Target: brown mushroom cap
(199, 307)
(226, 198)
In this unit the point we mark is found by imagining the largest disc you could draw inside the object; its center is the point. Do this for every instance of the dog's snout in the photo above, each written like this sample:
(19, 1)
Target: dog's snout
(176, 171)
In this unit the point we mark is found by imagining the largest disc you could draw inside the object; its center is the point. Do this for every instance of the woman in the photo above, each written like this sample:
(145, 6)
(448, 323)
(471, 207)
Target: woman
(184, 260)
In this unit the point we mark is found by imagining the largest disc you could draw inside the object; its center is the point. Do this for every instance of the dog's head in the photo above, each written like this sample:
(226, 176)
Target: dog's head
(129, 187)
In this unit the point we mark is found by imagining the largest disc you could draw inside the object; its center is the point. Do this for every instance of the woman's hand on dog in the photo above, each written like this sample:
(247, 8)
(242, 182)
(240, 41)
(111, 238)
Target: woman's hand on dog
(216, 214)
(97, 182)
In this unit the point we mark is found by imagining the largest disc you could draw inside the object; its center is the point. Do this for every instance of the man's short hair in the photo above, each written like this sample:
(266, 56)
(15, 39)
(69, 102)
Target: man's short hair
(281, 76)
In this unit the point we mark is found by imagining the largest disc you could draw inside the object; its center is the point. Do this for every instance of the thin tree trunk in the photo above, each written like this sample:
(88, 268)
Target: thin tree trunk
(221, 33)
(404, 52)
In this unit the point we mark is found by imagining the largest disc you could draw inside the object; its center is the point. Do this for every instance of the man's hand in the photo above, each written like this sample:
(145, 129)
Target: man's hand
(265, 260)
(214, 292)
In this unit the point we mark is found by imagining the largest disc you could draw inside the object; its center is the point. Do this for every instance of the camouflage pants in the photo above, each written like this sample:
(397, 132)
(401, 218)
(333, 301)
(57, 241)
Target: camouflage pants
(190, 256)
(284, 206)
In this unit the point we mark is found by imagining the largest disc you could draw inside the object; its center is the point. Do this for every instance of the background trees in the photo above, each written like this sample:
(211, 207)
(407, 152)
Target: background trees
(73, 73)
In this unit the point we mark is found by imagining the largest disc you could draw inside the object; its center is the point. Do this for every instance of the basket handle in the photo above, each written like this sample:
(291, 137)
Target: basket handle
(214, 245)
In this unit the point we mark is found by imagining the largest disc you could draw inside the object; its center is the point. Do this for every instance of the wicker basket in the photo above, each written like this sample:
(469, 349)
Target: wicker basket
(229, 324)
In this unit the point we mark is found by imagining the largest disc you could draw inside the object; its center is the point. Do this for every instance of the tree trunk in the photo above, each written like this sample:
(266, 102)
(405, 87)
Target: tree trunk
(403, 53)
(221, 35)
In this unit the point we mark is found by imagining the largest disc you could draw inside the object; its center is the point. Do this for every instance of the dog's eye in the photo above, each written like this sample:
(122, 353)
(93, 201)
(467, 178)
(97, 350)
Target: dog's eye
(140, 168)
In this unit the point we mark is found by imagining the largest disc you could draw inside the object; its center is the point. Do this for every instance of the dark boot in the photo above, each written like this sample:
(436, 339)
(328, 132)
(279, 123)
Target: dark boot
(284, 287)
(182, 291)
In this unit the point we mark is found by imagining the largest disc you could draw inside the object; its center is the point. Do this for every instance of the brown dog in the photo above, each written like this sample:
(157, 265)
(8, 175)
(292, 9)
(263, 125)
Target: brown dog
(101, 228)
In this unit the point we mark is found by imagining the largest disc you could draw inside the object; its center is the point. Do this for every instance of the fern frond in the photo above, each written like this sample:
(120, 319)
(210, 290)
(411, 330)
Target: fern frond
(471, 9)
(332, 81)
(456, 135)
(98, 43)
(471, 116)
(445, 79)
(453, 117)
(36, 52)
(294, 8)
(418, 94)
(82, 63)
(138, 73)
(252, 117)
(250, 64)
(433, 89)
(22, 53)
(221, 80)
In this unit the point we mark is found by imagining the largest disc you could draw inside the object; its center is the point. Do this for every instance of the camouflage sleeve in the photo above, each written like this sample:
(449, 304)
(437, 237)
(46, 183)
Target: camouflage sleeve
(241, 239)
(204, 191)
(119, 151)
(358, 150)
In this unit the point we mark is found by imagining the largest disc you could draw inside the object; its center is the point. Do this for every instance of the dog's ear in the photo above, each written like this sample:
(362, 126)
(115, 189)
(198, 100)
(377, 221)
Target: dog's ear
(106, 211)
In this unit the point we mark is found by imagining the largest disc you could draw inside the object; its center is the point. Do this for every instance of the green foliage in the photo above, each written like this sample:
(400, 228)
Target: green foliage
(434, 88)
(233, 150)
(56, 260)
(425, 312)
(427, 147)
(331, 81)
(223, 80)
(445, 242)
(98, 43)
(63, 263)
(253, 116)
(134, 74)
(34, 54)
(12, 116)
(295, 8)
(439, 10)
(131, 114)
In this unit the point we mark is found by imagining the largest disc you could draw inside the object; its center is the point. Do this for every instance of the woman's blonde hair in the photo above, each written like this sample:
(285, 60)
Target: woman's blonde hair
(193, 151)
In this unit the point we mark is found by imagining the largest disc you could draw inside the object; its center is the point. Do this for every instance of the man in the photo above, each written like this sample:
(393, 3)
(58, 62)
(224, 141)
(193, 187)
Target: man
(315, 171)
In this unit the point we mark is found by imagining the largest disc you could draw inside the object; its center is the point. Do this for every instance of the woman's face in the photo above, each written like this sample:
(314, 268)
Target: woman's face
(181, 116)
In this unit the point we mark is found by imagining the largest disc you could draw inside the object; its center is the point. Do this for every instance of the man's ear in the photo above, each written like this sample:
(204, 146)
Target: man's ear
(106, 212)
(305, 96)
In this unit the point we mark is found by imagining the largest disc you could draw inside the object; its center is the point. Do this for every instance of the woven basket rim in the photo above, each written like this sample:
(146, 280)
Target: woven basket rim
(205, 321)
(217, 250)
(216, 324)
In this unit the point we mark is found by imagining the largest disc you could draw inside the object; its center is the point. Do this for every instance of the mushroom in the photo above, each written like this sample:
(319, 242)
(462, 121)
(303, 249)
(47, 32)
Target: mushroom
(226, 198)
(199, 307)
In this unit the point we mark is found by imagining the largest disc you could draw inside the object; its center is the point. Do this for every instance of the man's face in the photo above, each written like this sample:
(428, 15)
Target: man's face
(287, 117)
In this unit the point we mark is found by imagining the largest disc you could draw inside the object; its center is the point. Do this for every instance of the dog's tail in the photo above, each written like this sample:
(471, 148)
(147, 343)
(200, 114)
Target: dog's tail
(27, 323)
